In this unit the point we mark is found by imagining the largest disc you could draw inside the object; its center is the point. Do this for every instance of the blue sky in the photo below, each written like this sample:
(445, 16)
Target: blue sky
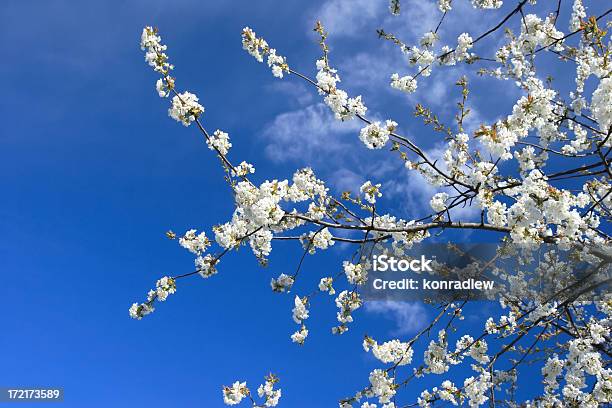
(95, 172)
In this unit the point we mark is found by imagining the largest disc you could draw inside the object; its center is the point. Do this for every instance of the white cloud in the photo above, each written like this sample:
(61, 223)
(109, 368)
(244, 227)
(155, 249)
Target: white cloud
(298, 94)
(408, 317)
(307, 135)
(473, 120)
(346, 180)
(351, 18)
(348, 17)
(412, 193)
(423, 16)
(436, 89)
(372, 70)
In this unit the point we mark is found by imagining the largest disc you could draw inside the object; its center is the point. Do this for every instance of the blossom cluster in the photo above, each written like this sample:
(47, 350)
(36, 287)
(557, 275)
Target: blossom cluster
(195, 243)
(438, 202)
(282, 284)
(267, 391)
(258, 48)
(529, 205)
(406, 83)
(185, 108)
(394, 351)
(155, 55)
(219, 141)
(376, 135)
(163, 288)
(382, 385)
(347, 302)
(234, 394)
(371, 191)
(325, 285)
(343, 107)
(300, 313)
(355, 274)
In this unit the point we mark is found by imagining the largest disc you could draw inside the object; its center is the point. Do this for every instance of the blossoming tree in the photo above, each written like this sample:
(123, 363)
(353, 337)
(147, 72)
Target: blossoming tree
(500, 169)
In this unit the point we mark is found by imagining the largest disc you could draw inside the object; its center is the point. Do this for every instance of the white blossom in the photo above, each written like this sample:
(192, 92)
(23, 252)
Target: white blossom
(282, 284)
(344, 107)
(233, 395)
(323, 239)
(438, 202)
(405, 84)
(578, 13)
(476, 389)
(267, 391)
(436, 356)
(325, 285)
(261, 243)
(347, 302)
(300, 313)
(254, 45)
(447, 392)
(300, 335)
(551, 371)
(219, 141)
(162, 88)
(195, 243)
(243, 169)
(355, 274)
(601, 105)
(475, 349)
(496, 214)
(206, 265)
(382, 385)
(464, 43)
(429, 39)
(376, 136)
(393, 351)
(277, 63)
(370, 191)
(164, 287)
(444, 5)
(598, 332)
(487, 4)
(185, 108)
(155, 55)
(138, 311)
